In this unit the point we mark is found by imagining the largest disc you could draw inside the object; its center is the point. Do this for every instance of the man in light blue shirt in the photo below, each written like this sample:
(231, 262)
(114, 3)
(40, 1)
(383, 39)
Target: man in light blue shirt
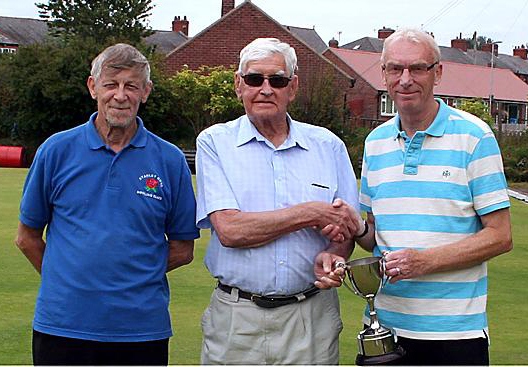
(265, 187)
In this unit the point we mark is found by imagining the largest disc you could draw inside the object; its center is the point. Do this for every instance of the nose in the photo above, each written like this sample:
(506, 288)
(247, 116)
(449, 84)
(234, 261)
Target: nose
(120, 94)
(406, 78)
(266, 88)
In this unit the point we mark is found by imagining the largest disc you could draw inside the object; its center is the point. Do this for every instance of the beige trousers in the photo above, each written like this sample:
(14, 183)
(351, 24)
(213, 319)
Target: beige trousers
(236, 331)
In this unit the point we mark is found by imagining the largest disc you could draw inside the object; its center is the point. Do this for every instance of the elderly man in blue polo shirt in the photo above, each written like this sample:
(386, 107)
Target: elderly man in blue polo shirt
(434, 191)
(118, 206)
(265, 186)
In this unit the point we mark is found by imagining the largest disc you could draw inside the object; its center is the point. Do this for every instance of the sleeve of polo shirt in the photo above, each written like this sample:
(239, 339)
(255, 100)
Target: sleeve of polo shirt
(35, 206)
(365, 195)
(487, 182)
(347, 185)
(180, 221)
(213, 190)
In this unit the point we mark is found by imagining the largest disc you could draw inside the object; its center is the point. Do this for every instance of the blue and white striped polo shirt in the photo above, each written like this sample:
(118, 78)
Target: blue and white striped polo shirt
(427, 191)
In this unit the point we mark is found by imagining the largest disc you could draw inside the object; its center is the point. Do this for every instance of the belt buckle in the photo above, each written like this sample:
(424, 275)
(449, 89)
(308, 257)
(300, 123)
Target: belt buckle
(261, 301)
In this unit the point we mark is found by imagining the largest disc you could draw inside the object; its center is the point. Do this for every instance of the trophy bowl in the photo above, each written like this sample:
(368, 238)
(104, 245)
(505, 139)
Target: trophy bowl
(377, 344)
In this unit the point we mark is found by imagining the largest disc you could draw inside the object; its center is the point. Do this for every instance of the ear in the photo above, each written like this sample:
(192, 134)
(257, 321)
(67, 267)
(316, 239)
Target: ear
(383, 78)
(146, 92)
(238, 90)
(294, 87)
(438, 74)
(90, 83)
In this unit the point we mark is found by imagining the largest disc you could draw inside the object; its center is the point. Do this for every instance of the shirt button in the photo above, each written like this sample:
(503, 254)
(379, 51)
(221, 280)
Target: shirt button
(281, 262)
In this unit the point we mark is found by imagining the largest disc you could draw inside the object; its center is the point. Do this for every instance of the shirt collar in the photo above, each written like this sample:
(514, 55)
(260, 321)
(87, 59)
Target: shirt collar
(437, 127)
(95, 141)
(248, 132)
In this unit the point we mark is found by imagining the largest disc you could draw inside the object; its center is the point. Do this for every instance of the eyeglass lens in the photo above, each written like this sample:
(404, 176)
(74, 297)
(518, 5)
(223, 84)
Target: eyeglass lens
(414, 69)
(275, 81)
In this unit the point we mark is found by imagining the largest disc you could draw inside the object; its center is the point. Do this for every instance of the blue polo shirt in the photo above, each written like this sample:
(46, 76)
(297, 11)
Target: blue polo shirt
(108, 218)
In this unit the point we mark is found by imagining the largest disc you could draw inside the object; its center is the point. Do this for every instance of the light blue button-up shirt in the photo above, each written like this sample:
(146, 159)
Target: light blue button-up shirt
(237, 168)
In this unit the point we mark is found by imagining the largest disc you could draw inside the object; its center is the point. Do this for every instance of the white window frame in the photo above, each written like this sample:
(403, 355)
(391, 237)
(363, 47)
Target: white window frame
(387, 106)
(6, 50)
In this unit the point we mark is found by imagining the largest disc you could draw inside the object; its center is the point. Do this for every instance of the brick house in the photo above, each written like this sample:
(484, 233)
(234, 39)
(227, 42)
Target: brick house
(221, 42)
(467, 74)
(16, 32)
(370, 103)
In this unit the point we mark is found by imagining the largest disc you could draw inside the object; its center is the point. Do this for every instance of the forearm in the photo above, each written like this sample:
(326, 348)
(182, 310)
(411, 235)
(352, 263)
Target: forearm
(252, 229)
(494, 239)
(469, 252)
(368, 241)
(30, 242)
(180, 253)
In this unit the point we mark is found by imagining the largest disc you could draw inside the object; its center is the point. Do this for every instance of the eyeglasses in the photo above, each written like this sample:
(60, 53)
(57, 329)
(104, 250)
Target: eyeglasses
(416, 70)
(275, 81)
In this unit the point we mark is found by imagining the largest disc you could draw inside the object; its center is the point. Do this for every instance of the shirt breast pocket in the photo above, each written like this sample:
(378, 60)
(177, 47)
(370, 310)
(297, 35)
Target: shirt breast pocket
(319, 192)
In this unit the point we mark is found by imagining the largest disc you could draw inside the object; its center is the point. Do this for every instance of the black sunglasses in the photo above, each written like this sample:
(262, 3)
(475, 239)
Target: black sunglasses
(275, 81)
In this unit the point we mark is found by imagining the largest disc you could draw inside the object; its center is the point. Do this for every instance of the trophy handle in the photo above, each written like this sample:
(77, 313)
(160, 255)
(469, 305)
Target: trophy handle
(383, 268)
(346, 268)
(350, 286)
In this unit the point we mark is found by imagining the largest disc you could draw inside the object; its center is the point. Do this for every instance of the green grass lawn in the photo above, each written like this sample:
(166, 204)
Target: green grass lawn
(191, 287)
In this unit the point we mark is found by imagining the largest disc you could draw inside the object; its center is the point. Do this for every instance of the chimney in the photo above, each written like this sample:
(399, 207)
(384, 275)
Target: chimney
(385, 32)
(333, 43)
(460, 43)
(488, 45)
(521, 52)
(180, 25)
(227, 6)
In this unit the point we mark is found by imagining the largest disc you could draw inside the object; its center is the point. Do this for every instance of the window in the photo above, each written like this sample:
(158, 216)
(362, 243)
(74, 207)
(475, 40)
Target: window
(387, 107)
(5, 50)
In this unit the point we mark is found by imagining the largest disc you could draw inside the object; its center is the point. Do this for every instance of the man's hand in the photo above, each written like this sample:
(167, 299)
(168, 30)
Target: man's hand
(353, 223)
(327, 275)
(405, 264)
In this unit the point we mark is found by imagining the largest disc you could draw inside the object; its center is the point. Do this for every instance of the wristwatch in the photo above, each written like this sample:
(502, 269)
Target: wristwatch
(365, 231)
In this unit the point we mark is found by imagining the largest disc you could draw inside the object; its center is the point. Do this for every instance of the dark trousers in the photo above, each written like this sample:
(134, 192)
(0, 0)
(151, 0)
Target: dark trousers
(57, 350)
(444, 352)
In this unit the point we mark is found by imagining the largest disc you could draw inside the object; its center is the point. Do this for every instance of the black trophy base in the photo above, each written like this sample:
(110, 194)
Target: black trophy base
(384, 359)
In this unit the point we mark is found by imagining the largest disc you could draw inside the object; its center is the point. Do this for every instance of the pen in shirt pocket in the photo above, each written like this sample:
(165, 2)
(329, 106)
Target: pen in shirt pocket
(321, 186)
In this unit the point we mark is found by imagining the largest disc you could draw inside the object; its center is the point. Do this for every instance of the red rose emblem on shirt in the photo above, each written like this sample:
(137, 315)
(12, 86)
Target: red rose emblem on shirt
(151, 184)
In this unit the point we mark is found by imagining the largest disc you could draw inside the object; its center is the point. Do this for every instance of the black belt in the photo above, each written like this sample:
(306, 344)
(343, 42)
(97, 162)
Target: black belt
(271, 301)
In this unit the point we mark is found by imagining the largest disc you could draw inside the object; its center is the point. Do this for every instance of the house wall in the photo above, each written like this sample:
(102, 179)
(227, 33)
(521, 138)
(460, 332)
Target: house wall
(363, 99)
(220, 44)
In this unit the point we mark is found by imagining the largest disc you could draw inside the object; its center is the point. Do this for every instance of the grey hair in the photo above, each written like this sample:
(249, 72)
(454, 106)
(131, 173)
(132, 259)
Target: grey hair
(262, 48)
(415, 36)
(120, 56)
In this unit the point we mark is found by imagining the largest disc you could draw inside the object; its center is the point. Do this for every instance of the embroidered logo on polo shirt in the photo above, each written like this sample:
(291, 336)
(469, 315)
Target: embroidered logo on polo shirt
(151, 183)
(446, 174)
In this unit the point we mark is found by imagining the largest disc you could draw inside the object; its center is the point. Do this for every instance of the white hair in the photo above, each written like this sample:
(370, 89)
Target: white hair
(262, 48)
(412, 35)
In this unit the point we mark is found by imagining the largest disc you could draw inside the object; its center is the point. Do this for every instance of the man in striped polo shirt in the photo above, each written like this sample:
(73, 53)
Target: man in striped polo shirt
(435, 195)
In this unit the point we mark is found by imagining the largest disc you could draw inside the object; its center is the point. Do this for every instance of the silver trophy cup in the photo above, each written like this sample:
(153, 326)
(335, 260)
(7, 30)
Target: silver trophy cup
(377, 344)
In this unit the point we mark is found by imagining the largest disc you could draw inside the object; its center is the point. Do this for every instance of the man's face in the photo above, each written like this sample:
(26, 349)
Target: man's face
(119, 92)
(264, 103)
(412, 91)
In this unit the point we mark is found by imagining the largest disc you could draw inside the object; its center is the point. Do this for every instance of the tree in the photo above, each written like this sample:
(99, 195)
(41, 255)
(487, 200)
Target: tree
(43, 86)
(161, 112)
(98, 19)
(477, 107)
(205, 96)
(45, 89)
